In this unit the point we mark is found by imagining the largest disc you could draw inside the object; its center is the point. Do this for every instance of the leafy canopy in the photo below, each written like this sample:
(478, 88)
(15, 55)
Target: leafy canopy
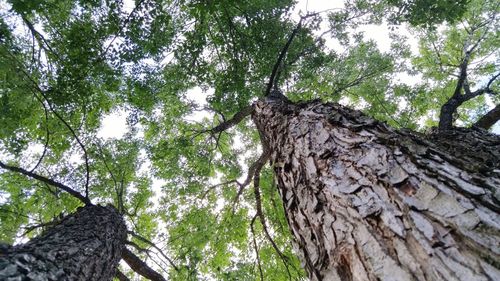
(174, 69)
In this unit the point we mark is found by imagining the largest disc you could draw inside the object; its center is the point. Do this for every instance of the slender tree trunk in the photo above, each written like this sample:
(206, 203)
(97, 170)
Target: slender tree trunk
(86, 245)
(366, 202)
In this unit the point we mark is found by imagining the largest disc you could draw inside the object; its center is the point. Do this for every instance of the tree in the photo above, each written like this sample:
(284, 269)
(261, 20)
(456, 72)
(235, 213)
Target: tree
(461, 62)
(366, 202)
(86, 245)
(198, 200)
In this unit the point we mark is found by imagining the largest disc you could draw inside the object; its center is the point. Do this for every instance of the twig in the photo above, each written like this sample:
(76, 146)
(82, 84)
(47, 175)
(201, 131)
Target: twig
(39, 36)
(386, 111)
(156, 247)
(210, 188)
(119, 194)
(30, 228)
(75, 136)
(47, 137)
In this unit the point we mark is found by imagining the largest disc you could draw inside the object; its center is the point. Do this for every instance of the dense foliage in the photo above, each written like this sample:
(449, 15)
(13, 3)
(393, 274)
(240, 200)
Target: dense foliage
(174, 69)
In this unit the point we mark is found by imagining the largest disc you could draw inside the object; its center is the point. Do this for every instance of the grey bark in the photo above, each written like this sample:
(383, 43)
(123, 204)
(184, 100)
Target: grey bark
(366, 202)
(86, 245)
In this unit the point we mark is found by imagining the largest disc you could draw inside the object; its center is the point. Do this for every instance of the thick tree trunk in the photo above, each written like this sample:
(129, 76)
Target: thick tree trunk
(86, 245)
(366, 202)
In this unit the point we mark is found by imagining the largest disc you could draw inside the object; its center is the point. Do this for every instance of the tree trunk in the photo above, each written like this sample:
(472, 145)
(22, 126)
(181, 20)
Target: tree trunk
(86, 245)
(366, 202)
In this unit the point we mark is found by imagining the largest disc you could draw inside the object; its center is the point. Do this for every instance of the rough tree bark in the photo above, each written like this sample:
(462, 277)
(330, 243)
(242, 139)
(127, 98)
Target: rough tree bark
(86, 245)
(366, 202)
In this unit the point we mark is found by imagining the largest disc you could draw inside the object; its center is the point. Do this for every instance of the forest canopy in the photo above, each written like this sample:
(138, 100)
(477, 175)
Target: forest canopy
(174, 71)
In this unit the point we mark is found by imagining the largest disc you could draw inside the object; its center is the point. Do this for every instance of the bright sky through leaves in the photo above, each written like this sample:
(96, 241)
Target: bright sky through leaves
(138, 85)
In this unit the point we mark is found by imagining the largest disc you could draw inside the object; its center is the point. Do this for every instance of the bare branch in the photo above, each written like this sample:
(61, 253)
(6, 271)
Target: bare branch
(140, 266)
(61, 186)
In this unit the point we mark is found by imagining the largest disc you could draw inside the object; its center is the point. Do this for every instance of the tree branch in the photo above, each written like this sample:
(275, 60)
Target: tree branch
(254, 169)
(61, 186)
(457, 99)
(281, 56)
(449, 108)
(47, 136)
(256, 248)
(30, 228)
(237, 118)
(120, 276)
(156, 247)
(119, 193)
(262, 219)
(140, 266)
(42, 42)
(75, 136)
(489, 119)
(36, 87)
(252, 172)
(217, 185)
